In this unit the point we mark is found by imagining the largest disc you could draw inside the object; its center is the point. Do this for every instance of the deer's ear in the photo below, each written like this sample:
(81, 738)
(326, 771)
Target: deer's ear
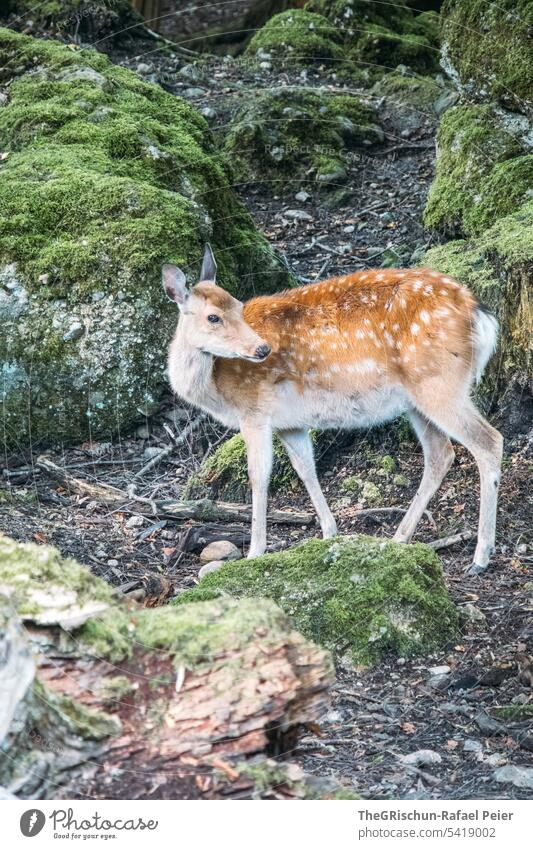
(175, 284)
(209, 266)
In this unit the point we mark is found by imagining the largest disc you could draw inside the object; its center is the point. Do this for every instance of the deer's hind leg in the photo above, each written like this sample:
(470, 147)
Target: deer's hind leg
(438, 457)
(299, 447)
(458, 417)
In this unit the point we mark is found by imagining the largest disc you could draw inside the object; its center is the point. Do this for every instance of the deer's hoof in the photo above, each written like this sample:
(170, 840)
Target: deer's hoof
(476, 569)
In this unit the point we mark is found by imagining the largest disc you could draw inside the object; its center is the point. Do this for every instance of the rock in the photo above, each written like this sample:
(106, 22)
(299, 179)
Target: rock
(439, 670)
(302, 197)
(134, 522)
(520, 776)
(445, 101)
(193, 92)
(85, 301)
(486, 49)
(473, 746)
(298, 37)
(212, 566)
(472, 614)
(298, 215)
(220, 550)
(269, 135)
(484, 169)
(422, 757)
(358, 593)
(144, 68)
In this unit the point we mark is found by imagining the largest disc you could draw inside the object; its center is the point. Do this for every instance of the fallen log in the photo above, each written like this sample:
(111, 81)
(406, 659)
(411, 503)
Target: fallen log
(203, 509)
(226, 677)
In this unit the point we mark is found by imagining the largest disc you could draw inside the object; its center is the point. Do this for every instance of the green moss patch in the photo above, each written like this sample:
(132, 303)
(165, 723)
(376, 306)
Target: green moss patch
(298, 37)
(487, 48)
(299, 134)
(482, 170)
(358, 593)
(104, 178)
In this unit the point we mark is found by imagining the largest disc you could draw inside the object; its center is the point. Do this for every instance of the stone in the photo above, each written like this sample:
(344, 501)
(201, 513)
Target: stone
(212, 566)
(439, 670)
(422, 757)
(220, 550)
(520, 776)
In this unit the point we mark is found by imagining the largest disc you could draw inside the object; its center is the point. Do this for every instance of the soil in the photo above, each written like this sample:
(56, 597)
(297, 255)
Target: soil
(380, 714)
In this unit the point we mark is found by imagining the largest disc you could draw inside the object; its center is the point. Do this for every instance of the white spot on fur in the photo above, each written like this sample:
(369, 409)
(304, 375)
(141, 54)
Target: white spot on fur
(415, 328)
(425, 317)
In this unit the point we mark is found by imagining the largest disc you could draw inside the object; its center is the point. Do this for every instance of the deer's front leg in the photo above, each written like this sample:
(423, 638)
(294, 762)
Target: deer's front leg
(258, 439)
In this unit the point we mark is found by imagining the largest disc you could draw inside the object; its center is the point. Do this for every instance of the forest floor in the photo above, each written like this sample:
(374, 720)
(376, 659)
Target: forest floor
(379, 714)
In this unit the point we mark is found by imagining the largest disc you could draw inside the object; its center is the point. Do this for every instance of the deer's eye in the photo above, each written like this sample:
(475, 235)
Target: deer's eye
(214, 319)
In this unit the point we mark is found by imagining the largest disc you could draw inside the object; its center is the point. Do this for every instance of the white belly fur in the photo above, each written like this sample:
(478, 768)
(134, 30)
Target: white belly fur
(322, 409)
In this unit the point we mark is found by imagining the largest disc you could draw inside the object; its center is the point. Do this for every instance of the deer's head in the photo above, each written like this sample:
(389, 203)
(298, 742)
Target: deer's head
(210, 318)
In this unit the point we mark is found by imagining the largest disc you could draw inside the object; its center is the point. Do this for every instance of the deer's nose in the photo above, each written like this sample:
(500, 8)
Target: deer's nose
(262, 351)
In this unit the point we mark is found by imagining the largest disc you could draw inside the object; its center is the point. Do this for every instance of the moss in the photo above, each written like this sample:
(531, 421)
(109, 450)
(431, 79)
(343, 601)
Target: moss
(106, 177)
(298, 37)
(383, 35)
(498, 266)
(481, 173)
(514, 713)
(197, 634)
(382, 48)
(269, 775)
(352, 484)
(487, 48)
(358, 593)
(297, 134)
(116, 688)
(388, 464)
(224, 474)
(91, 20)
(26, 567)
(83, 721)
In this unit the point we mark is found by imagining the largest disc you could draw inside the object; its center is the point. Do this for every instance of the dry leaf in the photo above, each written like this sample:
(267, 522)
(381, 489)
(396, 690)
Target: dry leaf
(451, 744)
(39, 537)
(408, 727)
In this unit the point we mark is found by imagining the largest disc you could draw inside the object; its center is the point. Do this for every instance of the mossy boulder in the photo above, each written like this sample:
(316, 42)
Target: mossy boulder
(104, 177)
(487, 49)
(498, 267)
(483, 169)
(299, 38)
(299, 134)
(380, 36)
(360, 594)
(105, 20)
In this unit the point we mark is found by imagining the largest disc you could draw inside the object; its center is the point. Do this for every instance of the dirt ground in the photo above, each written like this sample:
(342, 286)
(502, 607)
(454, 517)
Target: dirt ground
(377, 714)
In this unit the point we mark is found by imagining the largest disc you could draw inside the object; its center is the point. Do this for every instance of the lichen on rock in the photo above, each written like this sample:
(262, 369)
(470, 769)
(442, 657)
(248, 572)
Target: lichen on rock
(105, 177)
(361, 594)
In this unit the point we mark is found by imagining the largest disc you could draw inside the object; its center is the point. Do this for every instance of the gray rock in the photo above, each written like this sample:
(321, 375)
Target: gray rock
(422, 757)
(439, 670)
(220, 550)
(445, 101)
(143, 68)
(298, 215)
(213, 566)
(193, 92)
(302, 196)
(520, 776)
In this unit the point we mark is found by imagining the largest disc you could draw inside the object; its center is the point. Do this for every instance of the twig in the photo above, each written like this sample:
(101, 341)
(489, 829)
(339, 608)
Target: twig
(170, 448)
(453, 539)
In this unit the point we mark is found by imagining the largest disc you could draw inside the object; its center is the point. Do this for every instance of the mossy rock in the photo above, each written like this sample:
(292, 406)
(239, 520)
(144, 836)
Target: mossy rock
(487, 49)
(299, 38)
(298, 134)
(498, 267)
(105, 177)
(361, 594)
(106, 20)
(483, 171)
(383, 49)
(380, 36)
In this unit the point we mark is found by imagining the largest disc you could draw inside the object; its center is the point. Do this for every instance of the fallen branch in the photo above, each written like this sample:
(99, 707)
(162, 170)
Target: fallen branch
(204, 509)
(453, 539)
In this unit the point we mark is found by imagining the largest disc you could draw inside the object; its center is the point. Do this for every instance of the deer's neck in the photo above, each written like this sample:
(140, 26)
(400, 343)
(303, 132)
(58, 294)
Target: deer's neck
(190, 370)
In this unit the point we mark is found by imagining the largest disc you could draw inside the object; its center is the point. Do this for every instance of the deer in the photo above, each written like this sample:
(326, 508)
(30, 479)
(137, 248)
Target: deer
(353, 351)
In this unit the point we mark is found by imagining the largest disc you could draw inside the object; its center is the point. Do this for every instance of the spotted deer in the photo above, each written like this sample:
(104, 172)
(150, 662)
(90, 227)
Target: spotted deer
(348, 352)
